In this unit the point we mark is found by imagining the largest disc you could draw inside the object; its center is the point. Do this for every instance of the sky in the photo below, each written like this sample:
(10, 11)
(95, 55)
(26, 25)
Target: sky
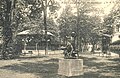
(104, 7)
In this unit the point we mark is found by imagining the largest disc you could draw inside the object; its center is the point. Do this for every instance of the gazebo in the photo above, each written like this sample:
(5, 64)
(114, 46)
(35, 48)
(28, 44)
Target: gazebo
(31, 40)
(30, 32)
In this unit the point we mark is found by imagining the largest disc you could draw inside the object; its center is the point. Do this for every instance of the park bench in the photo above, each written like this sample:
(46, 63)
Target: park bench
(28, 52)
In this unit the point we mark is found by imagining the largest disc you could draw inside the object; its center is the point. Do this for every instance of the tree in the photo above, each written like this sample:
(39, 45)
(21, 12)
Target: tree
(83, 24)
(14, 16)
(67, 22)
(7, 30)
(112, 18)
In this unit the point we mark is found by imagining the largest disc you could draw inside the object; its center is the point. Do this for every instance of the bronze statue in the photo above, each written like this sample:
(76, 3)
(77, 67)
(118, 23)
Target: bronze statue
(69, 52)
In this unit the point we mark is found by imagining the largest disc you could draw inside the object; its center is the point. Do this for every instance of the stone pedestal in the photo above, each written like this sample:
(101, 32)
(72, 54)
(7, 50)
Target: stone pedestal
(70, 67)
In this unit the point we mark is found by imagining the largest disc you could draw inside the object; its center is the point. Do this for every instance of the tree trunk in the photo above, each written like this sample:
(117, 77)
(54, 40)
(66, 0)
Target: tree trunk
(93, 48)
(7, 31)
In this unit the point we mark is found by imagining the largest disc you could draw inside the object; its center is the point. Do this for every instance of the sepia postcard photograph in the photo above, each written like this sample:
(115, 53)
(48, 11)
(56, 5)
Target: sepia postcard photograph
(59, 38)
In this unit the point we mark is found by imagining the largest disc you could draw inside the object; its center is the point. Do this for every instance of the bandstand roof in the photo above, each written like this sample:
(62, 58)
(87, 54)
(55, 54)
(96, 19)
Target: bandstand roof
(29, 32)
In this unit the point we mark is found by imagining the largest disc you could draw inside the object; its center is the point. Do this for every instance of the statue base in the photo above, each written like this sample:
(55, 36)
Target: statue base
(70, 67)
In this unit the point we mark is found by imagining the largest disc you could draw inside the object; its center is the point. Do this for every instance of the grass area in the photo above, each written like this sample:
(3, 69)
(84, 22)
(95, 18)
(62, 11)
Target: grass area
(47, 67)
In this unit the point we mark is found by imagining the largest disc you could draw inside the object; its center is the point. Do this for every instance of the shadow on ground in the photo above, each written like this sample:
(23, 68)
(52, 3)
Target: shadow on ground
(42, 69)
(101, 69)
(31, 57)
(49, 68)
(115, 60)
(52, 60)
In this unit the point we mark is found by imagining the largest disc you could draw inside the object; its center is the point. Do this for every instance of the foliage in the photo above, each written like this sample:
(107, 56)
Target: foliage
(19, 15)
